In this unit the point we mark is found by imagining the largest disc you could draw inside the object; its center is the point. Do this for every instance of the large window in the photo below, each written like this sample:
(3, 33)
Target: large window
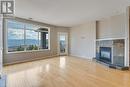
(26, 37)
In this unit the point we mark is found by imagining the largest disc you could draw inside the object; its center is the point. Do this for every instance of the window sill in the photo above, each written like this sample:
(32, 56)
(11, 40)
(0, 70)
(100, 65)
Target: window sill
(28, 51)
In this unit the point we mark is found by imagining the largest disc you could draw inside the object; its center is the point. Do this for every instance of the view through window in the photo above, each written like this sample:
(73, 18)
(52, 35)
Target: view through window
(26, 37)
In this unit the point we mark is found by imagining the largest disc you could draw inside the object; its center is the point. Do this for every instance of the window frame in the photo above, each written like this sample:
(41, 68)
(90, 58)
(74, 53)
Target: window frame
(25, 28)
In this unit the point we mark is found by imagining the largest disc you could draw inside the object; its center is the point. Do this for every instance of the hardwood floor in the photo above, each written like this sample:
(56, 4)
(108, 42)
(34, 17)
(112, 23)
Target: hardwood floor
(65, 72)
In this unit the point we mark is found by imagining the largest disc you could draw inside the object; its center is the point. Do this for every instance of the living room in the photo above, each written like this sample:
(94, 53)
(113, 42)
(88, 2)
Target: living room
(64, 43)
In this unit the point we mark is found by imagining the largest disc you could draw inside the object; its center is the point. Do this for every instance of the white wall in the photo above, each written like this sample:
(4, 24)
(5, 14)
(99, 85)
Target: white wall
(112, 27)
(82, 40)
(0, 43)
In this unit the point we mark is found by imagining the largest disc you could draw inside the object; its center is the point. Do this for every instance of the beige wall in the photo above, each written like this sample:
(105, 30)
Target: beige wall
(82, 40)
(112, 27)
(25, 56)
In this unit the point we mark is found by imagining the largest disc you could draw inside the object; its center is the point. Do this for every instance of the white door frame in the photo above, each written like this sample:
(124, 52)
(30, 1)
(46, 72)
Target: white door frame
(65, 33)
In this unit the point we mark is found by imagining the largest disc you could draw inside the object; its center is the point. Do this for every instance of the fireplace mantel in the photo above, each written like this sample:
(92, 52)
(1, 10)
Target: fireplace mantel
(104, 39)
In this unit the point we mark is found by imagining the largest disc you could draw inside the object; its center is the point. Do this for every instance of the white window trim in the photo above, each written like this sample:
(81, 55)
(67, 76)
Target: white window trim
(25, 51)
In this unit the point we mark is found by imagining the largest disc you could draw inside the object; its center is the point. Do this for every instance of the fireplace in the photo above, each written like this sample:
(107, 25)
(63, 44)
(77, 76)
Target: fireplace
(111, 53)
(105, 54)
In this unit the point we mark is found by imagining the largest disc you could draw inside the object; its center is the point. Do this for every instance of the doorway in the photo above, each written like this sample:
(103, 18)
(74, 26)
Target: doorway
(62, 43)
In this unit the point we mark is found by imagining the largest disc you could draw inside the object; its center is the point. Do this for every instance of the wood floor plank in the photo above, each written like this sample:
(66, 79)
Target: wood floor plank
(65, 71)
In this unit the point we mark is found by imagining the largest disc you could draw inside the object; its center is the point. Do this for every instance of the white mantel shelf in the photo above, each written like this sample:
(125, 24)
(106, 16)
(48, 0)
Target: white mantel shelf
(111, 38)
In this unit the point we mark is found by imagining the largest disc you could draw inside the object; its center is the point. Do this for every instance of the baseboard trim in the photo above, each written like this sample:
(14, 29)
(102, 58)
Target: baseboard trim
(30, 60)
(81, 57)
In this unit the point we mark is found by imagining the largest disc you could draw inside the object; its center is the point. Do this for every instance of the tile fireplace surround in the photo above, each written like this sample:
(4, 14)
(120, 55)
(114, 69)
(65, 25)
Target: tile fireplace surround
(117, 51)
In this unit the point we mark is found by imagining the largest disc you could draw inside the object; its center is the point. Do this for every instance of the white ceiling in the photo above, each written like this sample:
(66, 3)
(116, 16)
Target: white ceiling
(68, 12)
